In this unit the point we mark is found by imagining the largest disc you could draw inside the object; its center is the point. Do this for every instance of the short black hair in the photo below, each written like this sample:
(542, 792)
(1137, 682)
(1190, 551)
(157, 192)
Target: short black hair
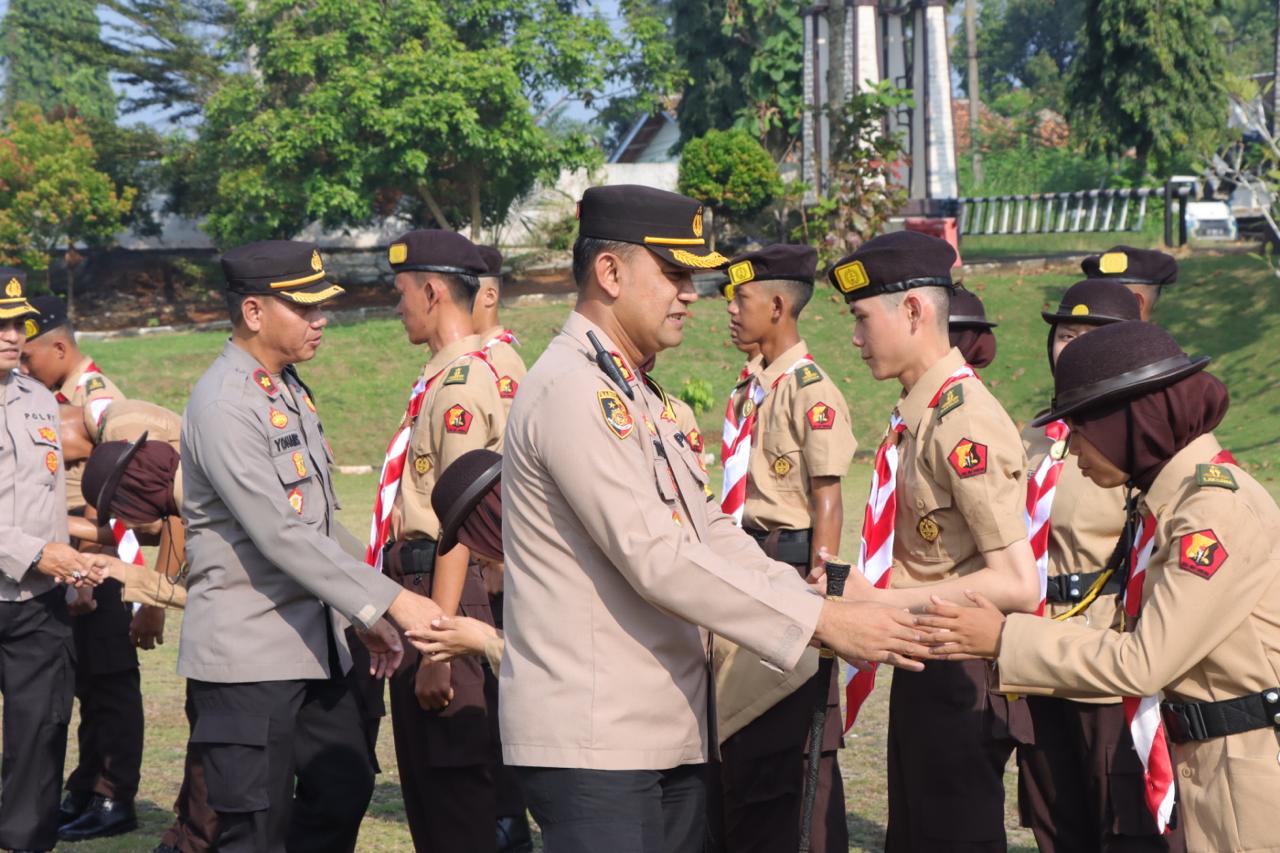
(235, 308)
(463, 288)
(587, 249)
(800, 292)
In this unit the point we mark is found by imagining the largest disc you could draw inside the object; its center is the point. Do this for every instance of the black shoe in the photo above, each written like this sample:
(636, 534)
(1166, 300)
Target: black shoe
(103, 818)
(513, 834)
(73, 805)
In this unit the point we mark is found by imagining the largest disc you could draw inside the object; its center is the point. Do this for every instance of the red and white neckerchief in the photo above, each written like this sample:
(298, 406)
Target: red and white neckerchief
(393, 463)
(875, 556)
(735, 446)
(506, 336)
(127, 546)
(1142, 713)
(1040, 492)
(96, 407)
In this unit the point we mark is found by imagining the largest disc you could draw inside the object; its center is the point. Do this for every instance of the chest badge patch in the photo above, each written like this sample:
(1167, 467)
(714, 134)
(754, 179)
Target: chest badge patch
(1201, 553)
(782, 466)
(299, 463)
(616, 416)
(49, 435)
(748, 406)
(51, 462)
(820, 416)
(279, 419)
(968, 458)
(295, 500)
(422, 464)
(507, 387)
(264, 381)
(457, 419)
(928, 529)
(695, 441)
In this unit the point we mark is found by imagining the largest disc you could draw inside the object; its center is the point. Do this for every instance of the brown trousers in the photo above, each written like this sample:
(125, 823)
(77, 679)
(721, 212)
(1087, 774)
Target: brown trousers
(1080, 787)
(949, 741)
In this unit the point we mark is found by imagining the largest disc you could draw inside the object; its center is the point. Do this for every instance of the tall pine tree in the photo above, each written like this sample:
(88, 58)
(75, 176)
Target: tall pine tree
(39, 70)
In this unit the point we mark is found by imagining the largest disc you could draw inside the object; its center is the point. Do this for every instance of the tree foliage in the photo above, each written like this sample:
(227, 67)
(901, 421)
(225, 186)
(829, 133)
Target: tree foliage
(730, 172)
(39, 67)
(1023, 44)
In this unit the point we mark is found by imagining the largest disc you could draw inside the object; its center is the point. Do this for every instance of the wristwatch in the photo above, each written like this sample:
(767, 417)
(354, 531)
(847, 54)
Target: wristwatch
(35, 564)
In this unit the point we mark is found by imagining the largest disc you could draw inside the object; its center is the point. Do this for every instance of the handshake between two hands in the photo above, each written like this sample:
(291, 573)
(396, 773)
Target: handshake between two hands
(66, 565)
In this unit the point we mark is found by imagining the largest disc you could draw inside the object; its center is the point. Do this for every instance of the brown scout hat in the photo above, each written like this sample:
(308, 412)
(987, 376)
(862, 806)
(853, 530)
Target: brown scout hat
(967, 311)
(1095, 301)
(290, 269)
(435, 250)
(779, 262)
(460, 489)
(1118, 361)
(1128, 265)
(104, 469)
(892, 263)
(667, 224)
(13, 296)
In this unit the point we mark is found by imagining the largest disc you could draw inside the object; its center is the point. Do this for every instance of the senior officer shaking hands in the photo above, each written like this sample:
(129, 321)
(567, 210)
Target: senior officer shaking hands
(270, 590)
(618, 565)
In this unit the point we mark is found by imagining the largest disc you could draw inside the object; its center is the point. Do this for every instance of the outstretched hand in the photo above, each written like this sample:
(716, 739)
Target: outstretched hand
(956, 632)
(863, 631)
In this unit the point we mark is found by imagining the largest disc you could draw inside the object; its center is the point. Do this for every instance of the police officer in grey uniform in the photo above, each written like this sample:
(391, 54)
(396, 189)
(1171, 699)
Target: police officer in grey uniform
(35, 555)
(271, 589)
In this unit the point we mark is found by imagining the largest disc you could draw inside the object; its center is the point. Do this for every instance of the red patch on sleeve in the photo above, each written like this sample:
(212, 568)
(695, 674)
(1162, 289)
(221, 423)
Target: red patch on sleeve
(507, 387)
(821, 416)
(457, 419)
(968, 458)
(695, 440)
(1201, 553)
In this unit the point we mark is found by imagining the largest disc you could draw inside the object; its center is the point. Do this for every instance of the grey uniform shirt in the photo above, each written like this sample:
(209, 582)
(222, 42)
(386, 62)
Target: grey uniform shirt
(268, 577)
(33, 488)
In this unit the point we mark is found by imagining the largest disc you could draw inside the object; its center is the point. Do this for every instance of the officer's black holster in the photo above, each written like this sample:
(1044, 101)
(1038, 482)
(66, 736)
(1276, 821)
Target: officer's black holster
(411, 563)
(787, 546)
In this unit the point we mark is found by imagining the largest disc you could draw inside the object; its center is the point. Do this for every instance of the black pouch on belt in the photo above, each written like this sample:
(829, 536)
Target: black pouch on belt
(410, 563)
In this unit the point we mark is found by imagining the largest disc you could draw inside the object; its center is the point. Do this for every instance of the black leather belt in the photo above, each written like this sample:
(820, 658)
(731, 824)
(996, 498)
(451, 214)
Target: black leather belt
(1070, 589)
(1196, 721)
(791, 546)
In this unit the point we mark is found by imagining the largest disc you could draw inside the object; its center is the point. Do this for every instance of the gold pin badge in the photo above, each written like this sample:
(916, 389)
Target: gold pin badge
(748, 406)
(851, 277)
(13, 289)
(782, 467)
(1113, 262)
(422, 464)
(928, 529)
(741, 272)
(397, 253)
(31, 329)
(1080, 310)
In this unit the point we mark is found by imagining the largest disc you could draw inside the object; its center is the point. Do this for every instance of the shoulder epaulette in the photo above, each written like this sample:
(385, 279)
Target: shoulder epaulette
(807, 375)
(458, 374)
(951, 399)
(1211, 474)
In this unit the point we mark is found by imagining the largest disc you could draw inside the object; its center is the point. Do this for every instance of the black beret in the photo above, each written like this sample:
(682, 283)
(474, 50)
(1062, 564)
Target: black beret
(1115, 362)
(1132, 266)
(1095, 301)
(666, 223)
(290, 269)
(967, 311)
(53, 313)
(13, 295)
(460, 489)
(892, 263)
(492, 260)
(779, 262)
(434, 250)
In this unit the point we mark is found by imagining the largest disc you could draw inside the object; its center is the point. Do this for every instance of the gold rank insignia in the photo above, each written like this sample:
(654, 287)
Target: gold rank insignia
(807, 375)
(1112, 263)
(616, 416)
(422, 464)
(13, 289)
(928, 529)
(51, 461)
(306, 398)
(622, 367)
(31, 328)
(279, 419)
(316, 264)
(264, 381)
(952, 399)
(1059, 449)
(782, 466)
(697, 223)
(851, 276)
(668, 412)
(299, 464)
(295, 500)
(48, 435)
(458, 374)
(1215, 475)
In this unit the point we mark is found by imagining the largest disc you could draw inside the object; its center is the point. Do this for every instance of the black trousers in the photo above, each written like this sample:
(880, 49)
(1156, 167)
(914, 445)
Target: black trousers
(618, 811)
(286, 763)
(36, 679)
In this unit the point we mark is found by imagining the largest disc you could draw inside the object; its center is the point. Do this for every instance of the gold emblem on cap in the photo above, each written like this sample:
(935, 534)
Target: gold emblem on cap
(30, 328)
(851, 277)
(316, 263)
(741, 272)
(397, 253)
(697, 223)
(13, 289)
(1080, 310)
(1113, 262)
(928, 529)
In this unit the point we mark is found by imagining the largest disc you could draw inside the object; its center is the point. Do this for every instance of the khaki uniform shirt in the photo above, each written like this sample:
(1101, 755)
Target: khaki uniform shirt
(33, 491)
(1209, 630)
(268, 578)
(802, 431)
(614, 558)
(460, 412)
(127, 420)
(962, 484)
(95, 395)
(507, 363)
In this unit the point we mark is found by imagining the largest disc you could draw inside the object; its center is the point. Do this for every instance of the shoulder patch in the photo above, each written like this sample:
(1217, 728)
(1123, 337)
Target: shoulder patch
(968, 458)
(95, 383)
(616, 416)
(1211, 474)
(1201, 553)
(695, 441)
(951, 399)
(264, 381)
(820, 416)
(457, 419)
(458, 374)
(507, 387)
(807, 375)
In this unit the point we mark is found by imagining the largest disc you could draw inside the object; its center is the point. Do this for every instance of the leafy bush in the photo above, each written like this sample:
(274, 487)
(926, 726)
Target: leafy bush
(730, 172)
(699, 394)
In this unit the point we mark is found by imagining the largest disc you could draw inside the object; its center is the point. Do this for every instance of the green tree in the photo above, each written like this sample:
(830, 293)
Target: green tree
(40, 71)
(1149, 77)
(730, 172)
(1023, 44)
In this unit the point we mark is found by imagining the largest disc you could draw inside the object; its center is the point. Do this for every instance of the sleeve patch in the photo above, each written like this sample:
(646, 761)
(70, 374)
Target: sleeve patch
(821, 416)
(952, 399)
(616, 416)
(695, 441)
(95, 383)
(457, 419)
(968, 458)
(507, 387)
(1215, 475)
(807, 375)
(458, 374)
(1201, 553)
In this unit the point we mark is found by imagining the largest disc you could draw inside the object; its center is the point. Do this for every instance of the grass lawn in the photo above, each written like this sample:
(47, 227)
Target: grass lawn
(1227, 307)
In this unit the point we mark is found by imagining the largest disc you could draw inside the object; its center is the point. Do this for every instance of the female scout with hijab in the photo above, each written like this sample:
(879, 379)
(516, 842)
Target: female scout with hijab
(970, 330)
(1202, 599)
(1080, 783)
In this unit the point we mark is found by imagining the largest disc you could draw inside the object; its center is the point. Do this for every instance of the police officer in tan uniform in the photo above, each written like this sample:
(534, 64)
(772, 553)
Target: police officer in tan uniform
(101, 789)
(499, 342)
(271, 589)
(618, 565)
(970, 330)
(439, 711)
(1145, 272)
(35, 558)
(801, 446)
(960, 491)
(1142, 415)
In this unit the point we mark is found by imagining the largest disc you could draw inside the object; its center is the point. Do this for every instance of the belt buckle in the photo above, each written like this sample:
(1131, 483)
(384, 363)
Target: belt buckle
(1176, 723)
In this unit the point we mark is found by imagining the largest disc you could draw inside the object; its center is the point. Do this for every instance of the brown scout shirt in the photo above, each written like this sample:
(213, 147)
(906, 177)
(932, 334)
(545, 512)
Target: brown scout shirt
(461, 411)
(1209, 630)
(127, 420)
(32, 486)
(507, 363)
(95, 394)
(961, 479)
(614, 558)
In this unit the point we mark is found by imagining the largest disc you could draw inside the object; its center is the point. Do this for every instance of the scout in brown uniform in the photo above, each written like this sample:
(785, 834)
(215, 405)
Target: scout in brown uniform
(1142, 415)
(801, 446)
(970, 330)
(1145, 272)
(618, 565)
(1080, 784)
(499, 342)
(100, 790)
(439, 711)
(960, 493)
